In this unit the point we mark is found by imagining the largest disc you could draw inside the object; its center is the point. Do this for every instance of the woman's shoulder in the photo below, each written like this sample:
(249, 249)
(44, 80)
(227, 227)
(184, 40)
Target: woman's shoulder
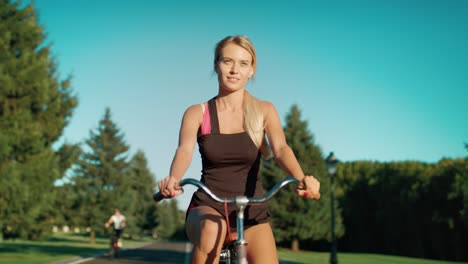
(268, 110)
(267, 106)
(197, 107)
(195, 110)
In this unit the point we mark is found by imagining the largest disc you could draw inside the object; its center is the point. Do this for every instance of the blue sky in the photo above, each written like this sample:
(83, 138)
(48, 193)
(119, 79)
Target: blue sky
(376, 80)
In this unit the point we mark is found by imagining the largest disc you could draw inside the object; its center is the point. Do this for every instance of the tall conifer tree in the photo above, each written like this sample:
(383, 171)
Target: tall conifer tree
(35, 106)
(103, 175)
(296, 218)
(168, 218)
(143, 185)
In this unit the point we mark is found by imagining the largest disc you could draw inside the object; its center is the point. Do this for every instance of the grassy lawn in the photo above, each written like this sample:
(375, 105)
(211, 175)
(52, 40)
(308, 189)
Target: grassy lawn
(352, 258)
(59, 247)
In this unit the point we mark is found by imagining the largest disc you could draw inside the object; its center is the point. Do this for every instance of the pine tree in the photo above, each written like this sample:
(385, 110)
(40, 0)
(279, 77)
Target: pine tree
(65, 198)
(168, 218)
(102, 177)
(35, 106)
(295, 218)
(143, 186)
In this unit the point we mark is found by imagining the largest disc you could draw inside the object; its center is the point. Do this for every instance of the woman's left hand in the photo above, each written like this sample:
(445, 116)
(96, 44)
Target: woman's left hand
(309, 187)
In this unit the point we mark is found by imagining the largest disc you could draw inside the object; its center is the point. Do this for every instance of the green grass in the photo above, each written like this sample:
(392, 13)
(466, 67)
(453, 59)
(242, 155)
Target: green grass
(59, 247)
(352, 258)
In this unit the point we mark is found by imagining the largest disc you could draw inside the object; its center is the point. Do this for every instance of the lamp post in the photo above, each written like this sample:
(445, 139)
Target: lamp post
(332, 161)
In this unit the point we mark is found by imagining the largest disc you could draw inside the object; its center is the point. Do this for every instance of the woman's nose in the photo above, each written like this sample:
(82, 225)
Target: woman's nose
(234, 68)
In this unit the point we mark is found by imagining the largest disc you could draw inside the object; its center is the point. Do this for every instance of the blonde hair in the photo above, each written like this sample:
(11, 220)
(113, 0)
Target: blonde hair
(253, 115)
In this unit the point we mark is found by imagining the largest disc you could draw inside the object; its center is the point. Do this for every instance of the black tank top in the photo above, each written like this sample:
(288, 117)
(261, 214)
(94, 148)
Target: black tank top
(230, 167)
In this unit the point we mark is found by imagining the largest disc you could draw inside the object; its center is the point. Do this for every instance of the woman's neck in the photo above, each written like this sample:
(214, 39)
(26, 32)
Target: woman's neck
(230, 101)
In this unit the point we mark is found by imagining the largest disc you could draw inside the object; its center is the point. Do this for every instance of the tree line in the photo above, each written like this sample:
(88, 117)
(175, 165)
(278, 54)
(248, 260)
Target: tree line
(405, 208)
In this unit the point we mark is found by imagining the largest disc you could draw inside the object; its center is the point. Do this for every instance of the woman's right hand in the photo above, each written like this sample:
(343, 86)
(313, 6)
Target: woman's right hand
(169, 187)
(309, 187)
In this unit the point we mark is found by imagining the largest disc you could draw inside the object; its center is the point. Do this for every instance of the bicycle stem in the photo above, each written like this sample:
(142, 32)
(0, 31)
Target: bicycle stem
(241, 203)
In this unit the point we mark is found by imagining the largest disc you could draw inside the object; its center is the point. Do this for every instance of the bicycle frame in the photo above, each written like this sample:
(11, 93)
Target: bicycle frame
(241, 202)
(113, 244)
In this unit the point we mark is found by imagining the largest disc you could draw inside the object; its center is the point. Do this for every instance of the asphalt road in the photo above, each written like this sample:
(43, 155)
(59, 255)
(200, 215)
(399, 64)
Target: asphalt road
(159, 252)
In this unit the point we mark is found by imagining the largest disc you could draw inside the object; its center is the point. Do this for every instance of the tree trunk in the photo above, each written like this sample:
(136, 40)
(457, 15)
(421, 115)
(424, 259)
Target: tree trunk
(92, 237)
(295, 245)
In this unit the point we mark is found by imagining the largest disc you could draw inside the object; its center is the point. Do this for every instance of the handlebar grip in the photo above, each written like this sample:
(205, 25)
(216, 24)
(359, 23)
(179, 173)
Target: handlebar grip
(157, 197)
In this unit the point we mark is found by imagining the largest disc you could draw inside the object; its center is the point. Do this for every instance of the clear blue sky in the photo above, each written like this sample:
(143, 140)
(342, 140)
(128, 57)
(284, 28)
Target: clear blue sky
(376, 80)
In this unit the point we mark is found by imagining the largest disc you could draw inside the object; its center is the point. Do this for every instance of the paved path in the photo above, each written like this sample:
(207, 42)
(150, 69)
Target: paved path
(159, 252)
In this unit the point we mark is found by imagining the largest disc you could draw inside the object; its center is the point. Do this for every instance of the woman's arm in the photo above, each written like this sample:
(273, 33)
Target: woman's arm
(284, 156)
(109, 222)
(191, 122)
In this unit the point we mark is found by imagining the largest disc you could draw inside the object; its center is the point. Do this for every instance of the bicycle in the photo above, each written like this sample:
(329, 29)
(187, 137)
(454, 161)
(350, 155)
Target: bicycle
(114, 245)
(235, 250)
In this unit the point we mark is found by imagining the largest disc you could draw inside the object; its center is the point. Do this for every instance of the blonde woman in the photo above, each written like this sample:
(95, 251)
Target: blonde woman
(230, 130)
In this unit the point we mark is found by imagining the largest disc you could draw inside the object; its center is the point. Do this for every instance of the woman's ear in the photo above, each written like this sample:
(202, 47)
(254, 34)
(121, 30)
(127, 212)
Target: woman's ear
(251, 73)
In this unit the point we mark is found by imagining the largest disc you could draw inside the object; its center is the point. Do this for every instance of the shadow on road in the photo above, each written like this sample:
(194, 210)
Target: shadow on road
(161, 252)
(145, 256)
(160, 256)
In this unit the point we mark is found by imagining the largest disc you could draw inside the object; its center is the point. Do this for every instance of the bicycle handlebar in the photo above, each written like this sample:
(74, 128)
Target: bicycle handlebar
(158, 196)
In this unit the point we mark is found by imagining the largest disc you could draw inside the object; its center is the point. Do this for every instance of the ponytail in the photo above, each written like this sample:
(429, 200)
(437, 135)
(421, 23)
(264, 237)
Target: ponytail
(254, 123)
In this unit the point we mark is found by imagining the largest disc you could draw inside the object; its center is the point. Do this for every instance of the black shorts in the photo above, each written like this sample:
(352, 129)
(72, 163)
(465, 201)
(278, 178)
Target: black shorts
(118, 232)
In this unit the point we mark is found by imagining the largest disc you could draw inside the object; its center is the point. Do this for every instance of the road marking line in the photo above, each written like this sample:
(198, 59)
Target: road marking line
(188, 250)
(81, 260)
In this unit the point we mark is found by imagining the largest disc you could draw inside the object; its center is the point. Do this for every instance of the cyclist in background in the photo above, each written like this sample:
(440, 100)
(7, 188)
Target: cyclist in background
(119, 222)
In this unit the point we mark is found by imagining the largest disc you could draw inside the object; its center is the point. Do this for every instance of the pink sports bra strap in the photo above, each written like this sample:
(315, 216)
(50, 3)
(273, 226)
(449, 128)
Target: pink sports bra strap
(206, 121)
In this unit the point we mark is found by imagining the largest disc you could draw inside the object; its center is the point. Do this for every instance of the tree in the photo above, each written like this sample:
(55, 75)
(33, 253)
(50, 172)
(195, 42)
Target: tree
(102, 177)
(296, 218)
(143, 186)
(168, 219)
(65, 197)
(35, 106)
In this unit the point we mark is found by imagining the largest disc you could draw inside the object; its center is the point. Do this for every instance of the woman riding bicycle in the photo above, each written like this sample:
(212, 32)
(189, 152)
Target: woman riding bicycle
(230, 130)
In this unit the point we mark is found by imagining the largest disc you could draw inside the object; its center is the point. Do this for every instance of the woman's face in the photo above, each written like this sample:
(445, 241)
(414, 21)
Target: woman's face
(234, 68)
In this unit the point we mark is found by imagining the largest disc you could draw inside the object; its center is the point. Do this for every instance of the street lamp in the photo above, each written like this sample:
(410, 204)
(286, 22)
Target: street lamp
(332, 161)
